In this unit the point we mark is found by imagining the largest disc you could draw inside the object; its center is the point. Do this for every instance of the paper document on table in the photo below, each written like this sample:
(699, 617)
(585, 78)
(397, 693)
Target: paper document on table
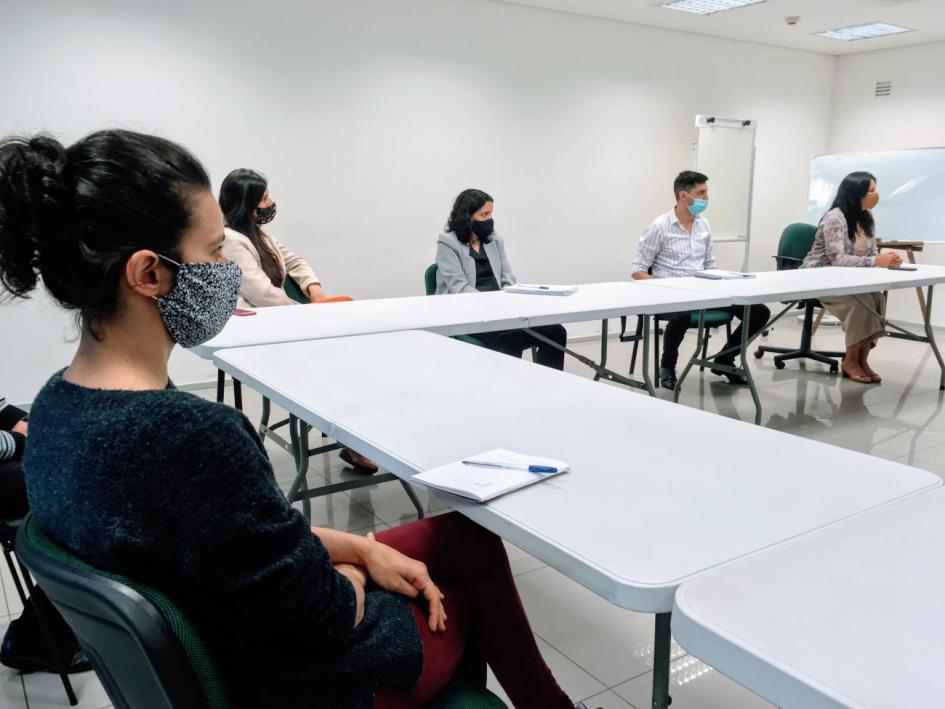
(534, 289)
(723, 275)
(488, 475)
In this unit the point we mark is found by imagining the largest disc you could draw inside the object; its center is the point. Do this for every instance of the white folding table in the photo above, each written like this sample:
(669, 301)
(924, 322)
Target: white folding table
(463, 314)
(459, 314)
(791, 286)
(452, 315)
(644, 508)
(850, 616)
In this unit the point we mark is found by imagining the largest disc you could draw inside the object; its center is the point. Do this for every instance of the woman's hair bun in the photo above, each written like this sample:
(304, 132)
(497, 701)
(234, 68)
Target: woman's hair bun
(32, 202)
(72, 217)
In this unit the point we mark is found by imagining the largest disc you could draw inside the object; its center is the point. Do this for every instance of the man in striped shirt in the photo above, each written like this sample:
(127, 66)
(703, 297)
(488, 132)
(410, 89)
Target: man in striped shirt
(679, 243)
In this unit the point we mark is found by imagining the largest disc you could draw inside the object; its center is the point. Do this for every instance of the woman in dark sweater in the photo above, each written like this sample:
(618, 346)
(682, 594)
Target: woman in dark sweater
(136, 477)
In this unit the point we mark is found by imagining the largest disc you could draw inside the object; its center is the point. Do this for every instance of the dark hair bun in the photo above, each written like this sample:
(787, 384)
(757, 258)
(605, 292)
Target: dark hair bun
(73, 217)
(31, 207)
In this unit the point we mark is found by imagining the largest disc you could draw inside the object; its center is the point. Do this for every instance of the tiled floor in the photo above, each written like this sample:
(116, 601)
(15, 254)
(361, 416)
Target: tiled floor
(601, 653)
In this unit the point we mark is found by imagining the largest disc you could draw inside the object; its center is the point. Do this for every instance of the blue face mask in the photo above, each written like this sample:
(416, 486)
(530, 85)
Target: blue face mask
(697, 207)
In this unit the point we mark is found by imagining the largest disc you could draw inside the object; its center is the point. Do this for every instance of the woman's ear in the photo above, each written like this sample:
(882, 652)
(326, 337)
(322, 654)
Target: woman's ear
(147, 275)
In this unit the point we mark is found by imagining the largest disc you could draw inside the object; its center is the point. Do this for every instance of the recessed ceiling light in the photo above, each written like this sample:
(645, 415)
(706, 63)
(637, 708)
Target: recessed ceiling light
(707, 7)
(868, 31)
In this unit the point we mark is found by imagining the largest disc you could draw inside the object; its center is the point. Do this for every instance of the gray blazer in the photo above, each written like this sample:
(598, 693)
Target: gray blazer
(456, 269)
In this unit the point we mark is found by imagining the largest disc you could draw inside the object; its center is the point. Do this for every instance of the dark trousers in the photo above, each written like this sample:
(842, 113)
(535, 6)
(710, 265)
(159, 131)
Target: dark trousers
(678, 323)
(486, 621)
(12, 491)
(514, 342)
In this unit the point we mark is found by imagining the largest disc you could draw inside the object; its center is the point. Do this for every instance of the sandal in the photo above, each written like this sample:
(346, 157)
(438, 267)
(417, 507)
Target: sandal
(358, 461)
(861, 378)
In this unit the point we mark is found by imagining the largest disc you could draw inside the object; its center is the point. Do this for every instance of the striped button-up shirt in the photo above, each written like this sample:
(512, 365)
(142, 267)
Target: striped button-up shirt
(8, 442)
(670, 250)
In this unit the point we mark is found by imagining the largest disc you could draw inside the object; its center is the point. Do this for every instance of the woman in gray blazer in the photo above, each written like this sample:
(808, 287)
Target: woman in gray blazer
(471, 258)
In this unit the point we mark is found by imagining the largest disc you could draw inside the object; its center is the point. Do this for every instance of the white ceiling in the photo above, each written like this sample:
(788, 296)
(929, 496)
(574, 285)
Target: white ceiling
(765, 23)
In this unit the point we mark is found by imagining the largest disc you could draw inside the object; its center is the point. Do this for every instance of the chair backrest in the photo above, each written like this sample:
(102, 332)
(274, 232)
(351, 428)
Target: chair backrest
(144, 650)
(292, 290)
(795, 243)
(429, 279)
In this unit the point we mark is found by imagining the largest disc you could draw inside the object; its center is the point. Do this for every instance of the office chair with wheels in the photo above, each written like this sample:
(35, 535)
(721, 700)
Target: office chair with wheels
(795, 244)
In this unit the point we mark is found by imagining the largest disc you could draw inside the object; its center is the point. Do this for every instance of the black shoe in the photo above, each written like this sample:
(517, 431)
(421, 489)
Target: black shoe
(668, 378)
(733, 378)
(28, 654)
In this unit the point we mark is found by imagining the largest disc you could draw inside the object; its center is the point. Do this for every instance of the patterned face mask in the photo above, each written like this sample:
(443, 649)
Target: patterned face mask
(264, 215)
(200, 303)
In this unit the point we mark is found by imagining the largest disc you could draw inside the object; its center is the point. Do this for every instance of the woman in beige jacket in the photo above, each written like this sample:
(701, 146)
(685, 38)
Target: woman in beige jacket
(266, 263)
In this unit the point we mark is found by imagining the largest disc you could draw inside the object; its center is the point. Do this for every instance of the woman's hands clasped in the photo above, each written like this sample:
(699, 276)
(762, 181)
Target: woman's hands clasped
(398, 573)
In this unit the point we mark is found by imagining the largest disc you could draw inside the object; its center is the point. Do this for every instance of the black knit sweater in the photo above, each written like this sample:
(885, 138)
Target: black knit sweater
(178, 493)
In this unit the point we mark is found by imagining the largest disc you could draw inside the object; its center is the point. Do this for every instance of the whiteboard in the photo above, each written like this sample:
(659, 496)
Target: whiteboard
(727, 155)
(911, 186)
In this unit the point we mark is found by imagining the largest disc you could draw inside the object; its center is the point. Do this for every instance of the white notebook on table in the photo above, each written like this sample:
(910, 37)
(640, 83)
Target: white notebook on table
(535, 289)
(487, 475)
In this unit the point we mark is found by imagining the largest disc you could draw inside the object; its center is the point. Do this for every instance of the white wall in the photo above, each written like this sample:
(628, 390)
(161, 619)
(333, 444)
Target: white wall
(369, 116)
(912, 117)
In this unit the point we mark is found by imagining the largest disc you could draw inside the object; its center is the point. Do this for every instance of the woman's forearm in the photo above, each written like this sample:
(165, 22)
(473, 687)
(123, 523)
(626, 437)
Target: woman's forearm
(343, 547)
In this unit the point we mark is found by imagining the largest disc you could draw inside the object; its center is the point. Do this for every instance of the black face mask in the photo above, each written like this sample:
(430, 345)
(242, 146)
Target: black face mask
(483, 229)
(264, 215)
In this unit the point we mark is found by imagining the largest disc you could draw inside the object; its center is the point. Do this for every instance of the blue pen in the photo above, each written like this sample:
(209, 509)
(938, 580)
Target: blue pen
(540, 469)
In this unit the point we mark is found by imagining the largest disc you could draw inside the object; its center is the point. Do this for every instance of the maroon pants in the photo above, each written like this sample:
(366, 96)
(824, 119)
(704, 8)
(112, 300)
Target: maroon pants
(486, 622)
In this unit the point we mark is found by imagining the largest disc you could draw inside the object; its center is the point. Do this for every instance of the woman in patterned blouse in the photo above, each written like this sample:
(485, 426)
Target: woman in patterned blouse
(846, 237)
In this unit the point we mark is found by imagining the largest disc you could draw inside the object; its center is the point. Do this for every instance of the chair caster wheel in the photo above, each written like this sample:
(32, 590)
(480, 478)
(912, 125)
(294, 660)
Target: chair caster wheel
(778, 365)
(834, 369)
(759, 354)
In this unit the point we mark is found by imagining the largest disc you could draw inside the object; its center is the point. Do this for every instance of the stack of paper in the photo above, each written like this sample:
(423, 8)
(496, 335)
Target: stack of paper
(488, 475)
(533, 289)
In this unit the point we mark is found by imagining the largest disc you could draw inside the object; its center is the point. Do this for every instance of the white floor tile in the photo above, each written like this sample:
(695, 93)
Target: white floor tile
(13, 605)
(44, 691)
(602, 639)
(607, 700)
(340, 511)
(389, 502)
(575, 682)
(693, 685)
(521, 561)
(12, 692)
(934, 456)
(5, 582)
